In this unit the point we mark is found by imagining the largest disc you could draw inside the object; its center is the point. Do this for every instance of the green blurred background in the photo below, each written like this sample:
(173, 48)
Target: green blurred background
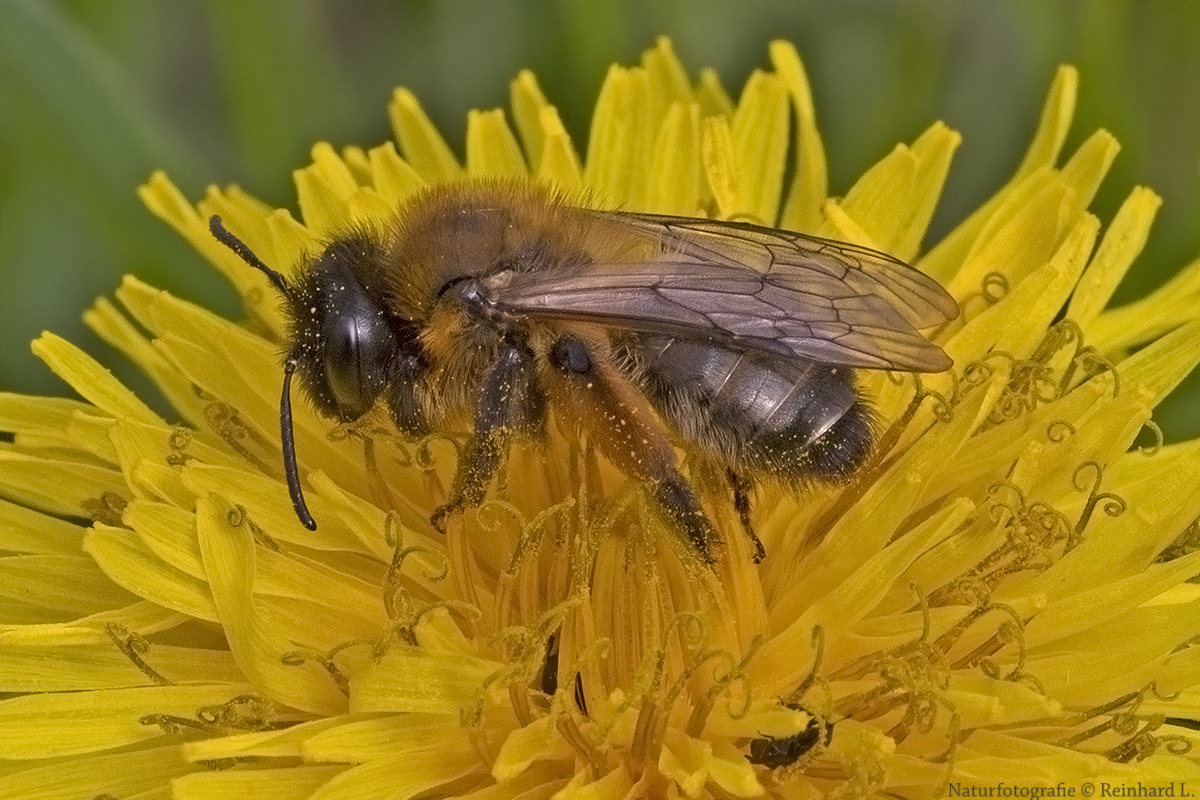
(96, 95)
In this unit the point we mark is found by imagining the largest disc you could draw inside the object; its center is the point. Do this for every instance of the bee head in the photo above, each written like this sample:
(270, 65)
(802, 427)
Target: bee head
(341, 343)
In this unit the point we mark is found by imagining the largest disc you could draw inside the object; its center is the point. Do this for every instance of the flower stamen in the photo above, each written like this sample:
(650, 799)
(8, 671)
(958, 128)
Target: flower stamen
(1114, 505)
(133, 645)
(298, 658)
(107, 509)
(242, 713)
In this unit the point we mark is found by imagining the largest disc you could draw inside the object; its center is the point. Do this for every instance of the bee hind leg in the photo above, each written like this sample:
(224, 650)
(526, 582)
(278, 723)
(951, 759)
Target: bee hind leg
(510, 403)
(741, 503)
(683, 509)
(630, 435)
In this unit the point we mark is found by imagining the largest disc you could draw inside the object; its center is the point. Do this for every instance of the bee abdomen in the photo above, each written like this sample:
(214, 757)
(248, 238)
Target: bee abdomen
(794, 419)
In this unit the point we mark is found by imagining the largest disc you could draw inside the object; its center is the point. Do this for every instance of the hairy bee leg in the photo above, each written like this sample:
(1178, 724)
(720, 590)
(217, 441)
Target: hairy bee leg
(681, 505)
(629, 434)
(402, 396)
(741, 502)
(509, 403)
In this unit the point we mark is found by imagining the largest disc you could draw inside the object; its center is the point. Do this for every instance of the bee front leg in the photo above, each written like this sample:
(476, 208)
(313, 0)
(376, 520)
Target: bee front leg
(630, 435)
(402, 396)
(510, 403)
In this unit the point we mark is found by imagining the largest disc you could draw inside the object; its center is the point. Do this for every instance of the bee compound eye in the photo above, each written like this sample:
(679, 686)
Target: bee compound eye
(355, 363)
(342, 371)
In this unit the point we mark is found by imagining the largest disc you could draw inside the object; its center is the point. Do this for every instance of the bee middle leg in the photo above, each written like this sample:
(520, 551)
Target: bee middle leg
(510, 403)
(630, 435)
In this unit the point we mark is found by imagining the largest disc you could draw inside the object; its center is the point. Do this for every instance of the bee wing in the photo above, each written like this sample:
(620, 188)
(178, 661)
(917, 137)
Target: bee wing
(918, 298)
(756, 289)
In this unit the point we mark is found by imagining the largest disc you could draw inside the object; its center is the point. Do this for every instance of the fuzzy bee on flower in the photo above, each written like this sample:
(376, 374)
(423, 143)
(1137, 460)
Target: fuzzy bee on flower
(486, 303)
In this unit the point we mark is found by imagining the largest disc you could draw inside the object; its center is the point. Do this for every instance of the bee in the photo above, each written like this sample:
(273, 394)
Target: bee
(485, 305)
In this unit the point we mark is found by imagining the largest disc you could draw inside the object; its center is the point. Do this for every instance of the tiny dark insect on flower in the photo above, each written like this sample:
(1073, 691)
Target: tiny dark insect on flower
(774, 753)
(486, 306)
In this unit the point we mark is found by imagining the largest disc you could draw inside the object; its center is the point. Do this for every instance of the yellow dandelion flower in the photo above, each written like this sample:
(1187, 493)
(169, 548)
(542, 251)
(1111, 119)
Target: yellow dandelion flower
(998, 605)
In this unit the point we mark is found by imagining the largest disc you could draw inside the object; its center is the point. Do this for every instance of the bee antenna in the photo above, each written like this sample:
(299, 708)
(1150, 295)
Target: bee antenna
(287, 436)
(288, 442)
(222, 235)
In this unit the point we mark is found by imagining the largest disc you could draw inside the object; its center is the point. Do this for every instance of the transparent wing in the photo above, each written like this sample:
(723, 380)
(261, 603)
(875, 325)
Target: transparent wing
(756, 289)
